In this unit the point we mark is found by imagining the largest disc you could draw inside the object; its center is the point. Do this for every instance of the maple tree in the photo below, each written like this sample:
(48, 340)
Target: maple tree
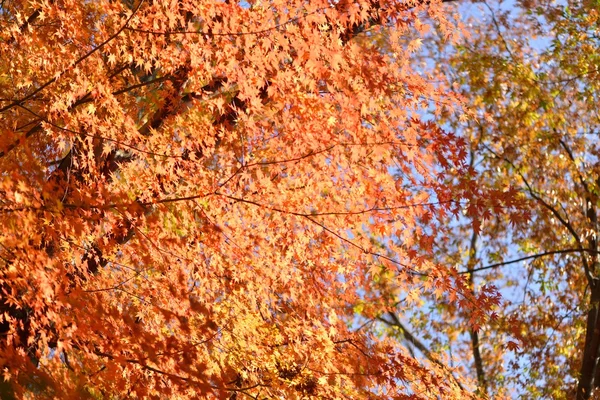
(529, 72)
(197, 198)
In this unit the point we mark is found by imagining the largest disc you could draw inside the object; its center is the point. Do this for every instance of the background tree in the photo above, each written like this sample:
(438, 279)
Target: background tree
(196, 194)
(529, 71)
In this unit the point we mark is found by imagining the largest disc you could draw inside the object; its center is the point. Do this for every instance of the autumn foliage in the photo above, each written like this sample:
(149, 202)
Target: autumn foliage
(204, 199)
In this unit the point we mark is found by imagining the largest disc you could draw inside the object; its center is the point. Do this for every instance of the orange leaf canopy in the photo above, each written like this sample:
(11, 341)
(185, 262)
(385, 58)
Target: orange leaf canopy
(196, 194)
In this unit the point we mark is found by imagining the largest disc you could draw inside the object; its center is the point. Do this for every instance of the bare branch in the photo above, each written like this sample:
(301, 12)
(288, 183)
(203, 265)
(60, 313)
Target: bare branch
(412, 339)
(531, 257)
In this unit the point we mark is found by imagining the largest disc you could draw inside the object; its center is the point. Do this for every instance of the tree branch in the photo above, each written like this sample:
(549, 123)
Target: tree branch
(412, 339)
(531, 257)
(473, 333)
(563, 221)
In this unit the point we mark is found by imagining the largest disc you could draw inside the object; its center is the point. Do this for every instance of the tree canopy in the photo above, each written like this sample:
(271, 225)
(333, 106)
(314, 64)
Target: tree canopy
(298, 199)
